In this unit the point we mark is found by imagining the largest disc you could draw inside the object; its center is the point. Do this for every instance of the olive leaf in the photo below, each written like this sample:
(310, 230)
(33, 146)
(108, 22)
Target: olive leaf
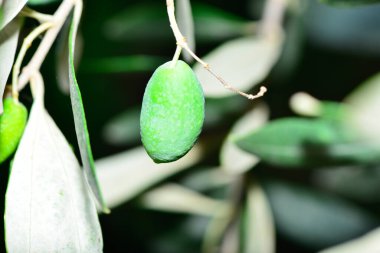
(125, 175)
(208, 179)
(186, 25)
(10, 8)
(176, 198)
(364, 108)
(8, 46)
(298, 142)
(361, 183)
(80, 117)
(48, 206)
(306, 105)
(42, 2)
(232, 158)
(259, 232)
(242, 62)
(368, 243)
(61, 62)
(359, 36)
(348, 3)
(313, 218)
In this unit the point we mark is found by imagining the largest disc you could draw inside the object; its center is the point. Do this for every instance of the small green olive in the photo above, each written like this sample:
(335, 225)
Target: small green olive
(172, 112)
(12, 125)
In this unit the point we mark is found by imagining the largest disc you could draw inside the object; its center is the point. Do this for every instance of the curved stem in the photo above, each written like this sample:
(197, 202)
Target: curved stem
(41, 17)
(181, 41)
(176, 56)
(35, 63)
(24, 48)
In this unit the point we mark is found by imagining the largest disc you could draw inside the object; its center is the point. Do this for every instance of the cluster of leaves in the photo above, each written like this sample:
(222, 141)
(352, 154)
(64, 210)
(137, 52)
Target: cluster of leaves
(39, 203)
(233, 197)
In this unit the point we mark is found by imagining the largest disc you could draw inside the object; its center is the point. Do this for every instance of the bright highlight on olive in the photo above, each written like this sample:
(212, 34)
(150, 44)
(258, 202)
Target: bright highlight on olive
(172, 112)
(12, 125)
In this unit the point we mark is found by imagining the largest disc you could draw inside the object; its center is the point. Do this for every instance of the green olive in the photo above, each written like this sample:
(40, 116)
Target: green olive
(12, 125)
(172, 112)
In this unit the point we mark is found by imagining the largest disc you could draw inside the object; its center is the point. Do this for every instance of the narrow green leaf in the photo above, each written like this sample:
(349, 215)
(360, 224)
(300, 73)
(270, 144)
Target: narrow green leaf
(207, 179)
(361, 183)
(315, 219)
(359, 36)
(48, 207)
(8, 46)
(42, 2)
(61, 63)
(10, 8)
(306, 105)
(369, 243)
(234, 160)
(334, 111)
(364, 107)
(123, 176)
(176, 198)
(349, 3)
(231, 238)
(297, 142)
(259, 233)
(1, 13)
(80, 118)
(216, 229)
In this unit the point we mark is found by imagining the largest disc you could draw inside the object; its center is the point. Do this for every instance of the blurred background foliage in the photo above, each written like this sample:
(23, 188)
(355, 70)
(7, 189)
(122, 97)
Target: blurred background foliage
(308, 182)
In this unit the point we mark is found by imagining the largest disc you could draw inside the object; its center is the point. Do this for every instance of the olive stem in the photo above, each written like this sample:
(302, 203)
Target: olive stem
(37, 87)
(24, 48)
(39, 56)
(181, 41)
(176, 56)
(41, 17)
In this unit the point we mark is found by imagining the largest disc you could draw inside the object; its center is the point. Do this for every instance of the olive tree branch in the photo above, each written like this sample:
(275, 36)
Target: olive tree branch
(181, 42)
(39, 56)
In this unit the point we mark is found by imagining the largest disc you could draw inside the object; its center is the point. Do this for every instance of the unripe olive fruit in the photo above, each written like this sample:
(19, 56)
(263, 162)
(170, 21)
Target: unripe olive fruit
(172, 112)
(12, 125)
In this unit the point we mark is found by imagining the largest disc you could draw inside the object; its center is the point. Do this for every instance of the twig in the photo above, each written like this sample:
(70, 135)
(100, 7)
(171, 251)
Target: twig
(35, 63)
(25, 46)
(181, 41)
(176, 56)
(41, 17)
